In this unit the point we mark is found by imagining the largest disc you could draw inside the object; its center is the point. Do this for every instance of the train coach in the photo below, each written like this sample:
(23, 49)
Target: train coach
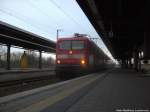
(78, 54)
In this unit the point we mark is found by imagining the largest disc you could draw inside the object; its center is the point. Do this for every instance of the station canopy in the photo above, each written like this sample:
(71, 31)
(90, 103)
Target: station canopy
(120, 23)
(11, 35)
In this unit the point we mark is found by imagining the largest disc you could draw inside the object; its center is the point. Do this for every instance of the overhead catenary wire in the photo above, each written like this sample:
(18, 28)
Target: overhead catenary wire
(70, 17)
(39, 9)
(43, 12)
(67, 15)
(22, 19)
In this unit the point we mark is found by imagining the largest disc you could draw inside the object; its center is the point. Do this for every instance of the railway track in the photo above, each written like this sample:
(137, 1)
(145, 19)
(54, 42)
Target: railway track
(23, 81)
(14, 86)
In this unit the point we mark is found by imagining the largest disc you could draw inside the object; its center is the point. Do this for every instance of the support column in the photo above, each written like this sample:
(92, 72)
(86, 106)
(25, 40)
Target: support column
(123, 63)
(147, 44)
(130, 64)
(8, 57)
(139, 65)
(136, 60)
(147, 35)
(126, 63)
(40, 59)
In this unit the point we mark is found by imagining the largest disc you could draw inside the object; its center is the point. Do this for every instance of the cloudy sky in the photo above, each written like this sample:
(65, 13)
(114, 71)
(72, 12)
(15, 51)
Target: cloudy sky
(44, 17)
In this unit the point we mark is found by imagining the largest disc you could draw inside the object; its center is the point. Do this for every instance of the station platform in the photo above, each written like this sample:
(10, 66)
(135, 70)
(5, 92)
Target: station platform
(117, 90)
(20, 74)
(19, 70)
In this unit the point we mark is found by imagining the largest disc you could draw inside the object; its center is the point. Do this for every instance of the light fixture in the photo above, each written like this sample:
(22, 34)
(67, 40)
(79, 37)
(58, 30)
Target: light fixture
(82, 62)
(58, 61)
(70, 52)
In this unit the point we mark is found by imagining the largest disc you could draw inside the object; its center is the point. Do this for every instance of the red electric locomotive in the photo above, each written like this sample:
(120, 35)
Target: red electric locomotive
(77, 54)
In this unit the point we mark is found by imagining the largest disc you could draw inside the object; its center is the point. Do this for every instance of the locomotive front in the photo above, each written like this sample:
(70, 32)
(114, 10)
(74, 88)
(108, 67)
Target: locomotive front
(71, 55)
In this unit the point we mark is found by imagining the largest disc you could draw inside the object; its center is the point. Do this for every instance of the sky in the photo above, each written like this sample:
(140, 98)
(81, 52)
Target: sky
(44, 17)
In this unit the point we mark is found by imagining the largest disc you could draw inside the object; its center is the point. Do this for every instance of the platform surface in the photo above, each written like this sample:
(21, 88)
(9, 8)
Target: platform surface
(118, 90)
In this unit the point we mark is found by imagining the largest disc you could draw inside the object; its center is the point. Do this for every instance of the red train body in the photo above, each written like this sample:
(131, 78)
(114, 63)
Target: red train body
(78, 53)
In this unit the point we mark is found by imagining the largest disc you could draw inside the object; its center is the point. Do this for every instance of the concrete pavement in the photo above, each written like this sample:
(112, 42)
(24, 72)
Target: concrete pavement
(120, 91)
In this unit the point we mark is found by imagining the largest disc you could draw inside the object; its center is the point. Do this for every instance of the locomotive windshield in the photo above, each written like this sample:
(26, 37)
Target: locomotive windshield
(76, 45)
(66, 45)
(71, 44)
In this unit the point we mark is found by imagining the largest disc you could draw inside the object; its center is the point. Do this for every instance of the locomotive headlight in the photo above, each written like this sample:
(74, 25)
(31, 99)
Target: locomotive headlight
(82, 62)
(70, 52)
(58, 61)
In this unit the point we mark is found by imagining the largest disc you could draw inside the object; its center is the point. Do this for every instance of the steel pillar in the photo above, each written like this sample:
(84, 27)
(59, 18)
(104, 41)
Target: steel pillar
(40, 59)
(8, 57)
(123, 63)
(139, 65)
(146, 45)
(135, 56)
(130, 64)
(126, 64)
